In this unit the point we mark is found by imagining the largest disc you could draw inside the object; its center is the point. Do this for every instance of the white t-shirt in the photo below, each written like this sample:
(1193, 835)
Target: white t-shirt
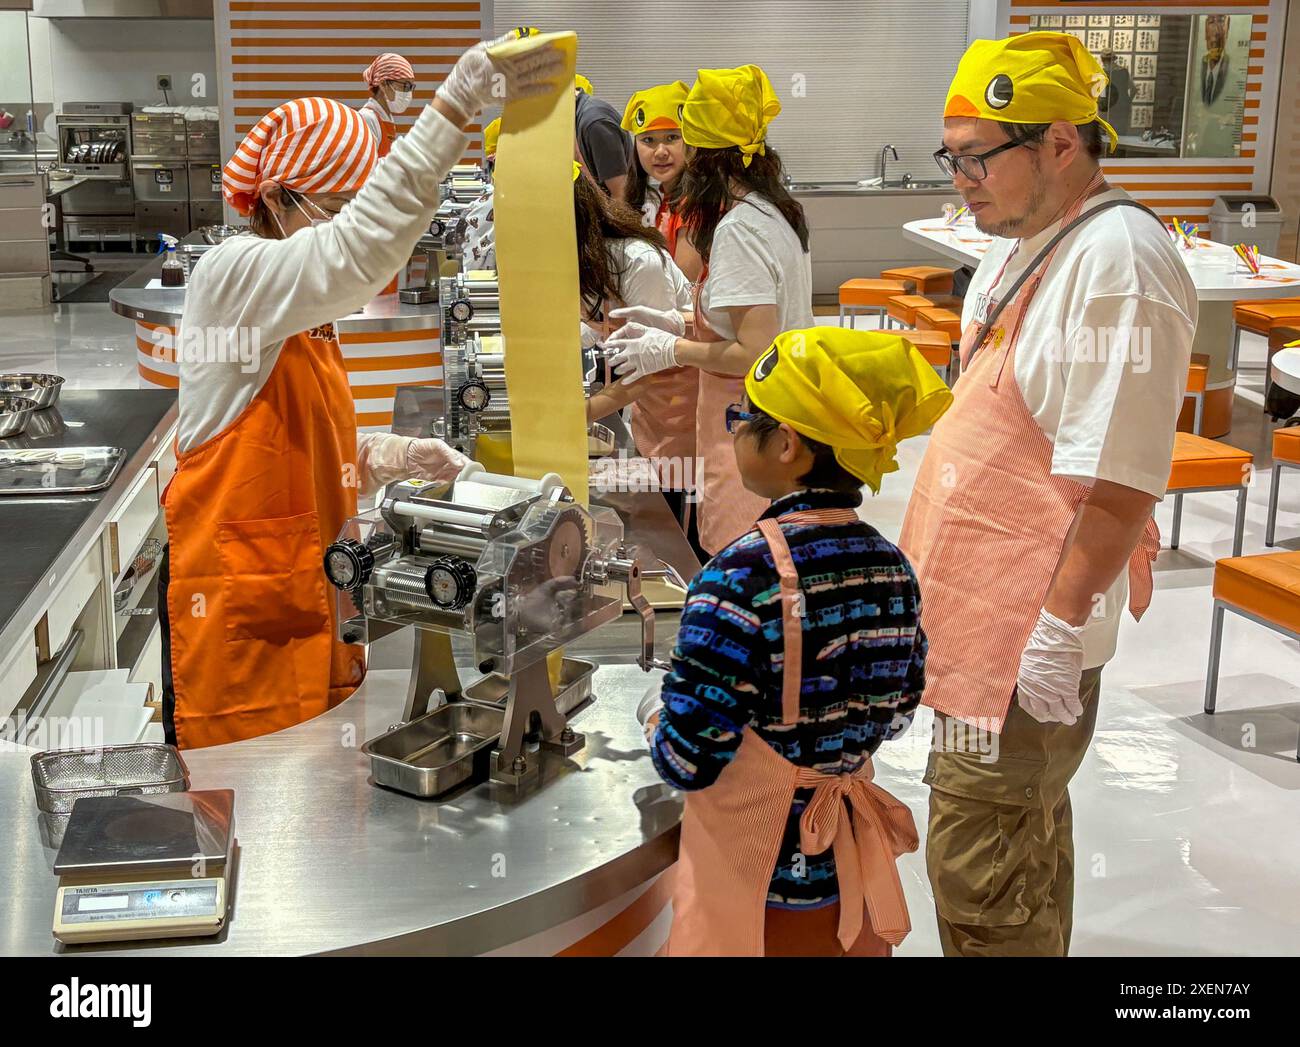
(649, 276)
(756, 259)
(1108, 399)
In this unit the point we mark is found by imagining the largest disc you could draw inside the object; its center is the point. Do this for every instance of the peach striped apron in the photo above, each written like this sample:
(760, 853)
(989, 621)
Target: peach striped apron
(987, 523)
(727, 509)
(732, 831)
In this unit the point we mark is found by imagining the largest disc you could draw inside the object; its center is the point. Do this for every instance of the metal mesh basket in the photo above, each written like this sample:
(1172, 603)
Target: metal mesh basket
(61, 776)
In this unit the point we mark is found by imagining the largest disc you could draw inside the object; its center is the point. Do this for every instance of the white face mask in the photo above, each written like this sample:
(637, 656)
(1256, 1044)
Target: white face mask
(400, 100)
(310, 218)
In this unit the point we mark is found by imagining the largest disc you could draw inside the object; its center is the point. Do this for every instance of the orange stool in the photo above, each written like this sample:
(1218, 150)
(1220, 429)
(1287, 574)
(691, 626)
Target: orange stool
(935, 347)
(1261, 316)
(937, 318)
(1286, 455)
(863, 295)
(1197, 375)
(1207, 465)
(903, 308)
(1263, 588)
(921, 279)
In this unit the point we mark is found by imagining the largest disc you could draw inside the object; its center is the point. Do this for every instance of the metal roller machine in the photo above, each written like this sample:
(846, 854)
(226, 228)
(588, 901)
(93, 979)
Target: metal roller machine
(519, 568)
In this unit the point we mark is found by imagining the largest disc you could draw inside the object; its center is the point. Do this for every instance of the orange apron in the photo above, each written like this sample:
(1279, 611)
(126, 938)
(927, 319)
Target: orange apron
(726, 508)
(249, 512)
(987, 523)
(731, 831)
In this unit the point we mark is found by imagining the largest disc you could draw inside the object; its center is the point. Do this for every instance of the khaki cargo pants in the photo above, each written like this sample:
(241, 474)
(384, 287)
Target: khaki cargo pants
(1000, 851)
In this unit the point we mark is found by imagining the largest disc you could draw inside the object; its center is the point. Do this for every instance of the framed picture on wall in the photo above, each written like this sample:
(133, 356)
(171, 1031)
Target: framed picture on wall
(1079, 34)
(1124, 62)
(1050, 21)
(1148, 21)
(1144, 66)
(1098, 40)
(1148, 40)
(1122, 40)
(1141, 117)
(1123, 21)
(1076, 21)
(1144, 90)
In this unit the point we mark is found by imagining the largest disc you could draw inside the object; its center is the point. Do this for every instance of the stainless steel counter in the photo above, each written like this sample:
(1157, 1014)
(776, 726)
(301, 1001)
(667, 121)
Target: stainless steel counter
(46, 534)
(163, 305)
(328, 863)
(853, 189)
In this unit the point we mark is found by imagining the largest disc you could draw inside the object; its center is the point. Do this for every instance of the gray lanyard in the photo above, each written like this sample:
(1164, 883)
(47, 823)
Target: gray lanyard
(1040, 258)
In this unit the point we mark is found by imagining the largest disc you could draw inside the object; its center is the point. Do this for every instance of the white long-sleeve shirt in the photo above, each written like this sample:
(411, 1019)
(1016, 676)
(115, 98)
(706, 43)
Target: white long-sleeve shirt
(253, 293)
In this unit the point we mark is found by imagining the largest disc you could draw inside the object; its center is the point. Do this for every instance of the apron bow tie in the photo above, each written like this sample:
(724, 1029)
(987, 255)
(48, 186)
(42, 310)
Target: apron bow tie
(866, 846)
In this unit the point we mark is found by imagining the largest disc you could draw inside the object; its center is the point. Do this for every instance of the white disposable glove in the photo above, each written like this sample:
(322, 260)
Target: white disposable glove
(588, 334)
(478, 80)
(1047, 686)
(384, 458)
(637, 350)
(669, 320)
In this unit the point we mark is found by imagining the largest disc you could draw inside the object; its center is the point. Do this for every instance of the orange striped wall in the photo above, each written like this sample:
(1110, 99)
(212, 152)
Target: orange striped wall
(270, 52)
(1186, 187)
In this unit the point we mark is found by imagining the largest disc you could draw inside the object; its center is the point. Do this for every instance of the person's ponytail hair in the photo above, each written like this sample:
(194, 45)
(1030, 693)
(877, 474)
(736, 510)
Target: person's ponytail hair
(704, 192)
(600, 218)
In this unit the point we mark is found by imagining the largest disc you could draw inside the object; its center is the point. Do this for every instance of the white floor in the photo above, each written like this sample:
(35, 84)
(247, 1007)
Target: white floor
(1187, 826)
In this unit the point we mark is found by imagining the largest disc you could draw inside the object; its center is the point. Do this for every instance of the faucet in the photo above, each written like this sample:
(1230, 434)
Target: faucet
(886, 149)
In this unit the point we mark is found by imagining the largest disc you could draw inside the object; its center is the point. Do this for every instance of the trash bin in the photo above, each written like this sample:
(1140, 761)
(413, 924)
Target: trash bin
(1247, 218)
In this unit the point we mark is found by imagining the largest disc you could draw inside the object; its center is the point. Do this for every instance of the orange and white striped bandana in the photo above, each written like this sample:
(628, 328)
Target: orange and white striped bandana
(309, 145)
(388, 66)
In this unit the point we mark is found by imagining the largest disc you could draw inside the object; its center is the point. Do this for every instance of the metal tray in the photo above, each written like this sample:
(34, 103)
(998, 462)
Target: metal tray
(99, 469)
(437, 751)
(575, 687)
(60, 777)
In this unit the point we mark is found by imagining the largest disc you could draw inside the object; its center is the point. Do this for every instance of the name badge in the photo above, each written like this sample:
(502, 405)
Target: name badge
(984, 305)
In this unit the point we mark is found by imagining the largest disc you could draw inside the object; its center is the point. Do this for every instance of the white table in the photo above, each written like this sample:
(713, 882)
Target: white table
(1286, 369)
(1213, 267)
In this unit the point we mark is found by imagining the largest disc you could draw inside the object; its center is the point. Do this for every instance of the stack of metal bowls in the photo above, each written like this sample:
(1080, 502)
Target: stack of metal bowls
(22, 394)
(15, 413)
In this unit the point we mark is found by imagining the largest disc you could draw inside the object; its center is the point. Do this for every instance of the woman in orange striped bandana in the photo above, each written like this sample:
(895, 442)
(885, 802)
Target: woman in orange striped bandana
(392, 82)
(269, 461)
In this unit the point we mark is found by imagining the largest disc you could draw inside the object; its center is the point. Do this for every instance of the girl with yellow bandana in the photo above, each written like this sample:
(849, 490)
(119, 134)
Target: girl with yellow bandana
(752, 237)
(653, 118)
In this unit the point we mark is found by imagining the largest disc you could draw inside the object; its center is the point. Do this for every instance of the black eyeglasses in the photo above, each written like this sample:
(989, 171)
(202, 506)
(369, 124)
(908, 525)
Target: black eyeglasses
(735, 415)
(971, 165)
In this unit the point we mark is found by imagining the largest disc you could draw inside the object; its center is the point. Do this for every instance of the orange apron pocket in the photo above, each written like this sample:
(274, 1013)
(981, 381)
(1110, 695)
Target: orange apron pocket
(273, 582)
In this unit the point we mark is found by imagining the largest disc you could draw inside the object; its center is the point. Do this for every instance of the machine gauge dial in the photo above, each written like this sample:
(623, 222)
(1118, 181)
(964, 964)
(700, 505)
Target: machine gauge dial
(462, 311)
(436, 227)
(450, 582)
(473, 396)
(348, 564)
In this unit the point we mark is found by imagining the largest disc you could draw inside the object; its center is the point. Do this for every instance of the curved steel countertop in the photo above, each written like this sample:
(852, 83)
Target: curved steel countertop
(329, 863)
(163, 305)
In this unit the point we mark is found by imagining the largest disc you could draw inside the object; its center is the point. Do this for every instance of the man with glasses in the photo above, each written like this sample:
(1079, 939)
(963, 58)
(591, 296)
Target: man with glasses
(1030, 522)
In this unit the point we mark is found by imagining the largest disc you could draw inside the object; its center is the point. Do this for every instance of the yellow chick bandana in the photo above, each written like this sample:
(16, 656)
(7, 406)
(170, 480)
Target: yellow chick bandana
(729, 107)
(522, 32)
(491, 135)
(1034, 78)
(656, 108)
(583, 84)
(577, 170)
(860, 392)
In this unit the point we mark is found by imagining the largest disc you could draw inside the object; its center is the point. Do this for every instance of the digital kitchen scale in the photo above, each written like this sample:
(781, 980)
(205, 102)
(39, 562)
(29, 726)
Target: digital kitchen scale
(134, 867)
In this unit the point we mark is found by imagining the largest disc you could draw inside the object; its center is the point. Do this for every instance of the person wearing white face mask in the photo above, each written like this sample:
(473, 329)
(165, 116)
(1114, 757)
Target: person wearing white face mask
(269, 463)
(392, 83)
